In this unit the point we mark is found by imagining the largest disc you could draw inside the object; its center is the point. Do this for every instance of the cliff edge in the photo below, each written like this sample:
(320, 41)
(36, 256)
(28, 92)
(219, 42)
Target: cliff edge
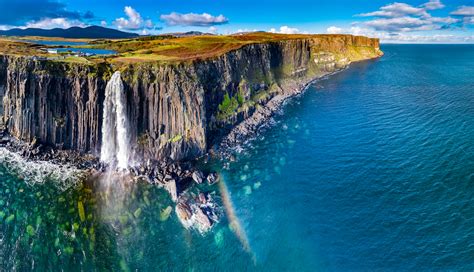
(177, 110)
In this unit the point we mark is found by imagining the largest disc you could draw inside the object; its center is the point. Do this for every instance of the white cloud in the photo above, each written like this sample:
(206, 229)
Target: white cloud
(403, 24)
(103, 23)
(193, 19)
(334, 30)
(49, 23)
(403, 37)
(134, 20)
(467, 14)
(469, 20)
(433, 4)
(402, 17)
(397, 10)
(285, 30)
(464, 11)
(212, 29)
(245, 30)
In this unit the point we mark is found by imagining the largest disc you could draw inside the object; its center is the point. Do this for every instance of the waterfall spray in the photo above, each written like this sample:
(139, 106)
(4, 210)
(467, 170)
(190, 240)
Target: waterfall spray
(115, 149)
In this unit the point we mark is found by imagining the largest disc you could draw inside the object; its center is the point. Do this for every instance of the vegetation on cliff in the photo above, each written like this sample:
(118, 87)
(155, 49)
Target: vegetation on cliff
(182, 97)
(168, 48)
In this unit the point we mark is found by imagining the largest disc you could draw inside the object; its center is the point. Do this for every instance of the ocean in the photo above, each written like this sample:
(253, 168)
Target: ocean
(369, 169)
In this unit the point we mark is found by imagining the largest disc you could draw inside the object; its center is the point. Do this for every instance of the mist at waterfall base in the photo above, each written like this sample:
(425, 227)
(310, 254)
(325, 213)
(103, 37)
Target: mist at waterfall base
(370, 169)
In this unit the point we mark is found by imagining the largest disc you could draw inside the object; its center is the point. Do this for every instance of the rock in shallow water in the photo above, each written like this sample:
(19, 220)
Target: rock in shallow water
(212, 178)
(203, 222)
(171, 187)
(198, 176)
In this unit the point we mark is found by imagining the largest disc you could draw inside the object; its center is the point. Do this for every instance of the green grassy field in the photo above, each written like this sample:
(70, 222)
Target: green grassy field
(162, 48)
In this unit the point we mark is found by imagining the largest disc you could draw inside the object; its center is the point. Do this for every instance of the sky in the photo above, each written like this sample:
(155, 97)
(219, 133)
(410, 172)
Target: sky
(403, 21)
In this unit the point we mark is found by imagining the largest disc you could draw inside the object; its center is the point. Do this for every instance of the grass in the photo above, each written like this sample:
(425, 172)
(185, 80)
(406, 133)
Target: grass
(12, 47)
(166, 48)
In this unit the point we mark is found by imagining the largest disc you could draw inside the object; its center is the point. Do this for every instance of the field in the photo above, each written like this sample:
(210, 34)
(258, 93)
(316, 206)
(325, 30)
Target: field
(162, 48)
(12, 47)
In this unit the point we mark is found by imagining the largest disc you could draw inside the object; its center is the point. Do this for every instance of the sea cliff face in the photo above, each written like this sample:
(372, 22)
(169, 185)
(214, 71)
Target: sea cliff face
(176, 110)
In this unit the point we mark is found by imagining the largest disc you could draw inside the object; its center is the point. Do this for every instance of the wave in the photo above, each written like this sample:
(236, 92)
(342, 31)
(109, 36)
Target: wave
(40, 172)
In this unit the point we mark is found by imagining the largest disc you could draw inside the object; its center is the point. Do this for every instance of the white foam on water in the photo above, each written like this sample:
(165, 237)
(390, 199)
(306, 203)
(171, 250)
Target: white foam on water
(40, 172)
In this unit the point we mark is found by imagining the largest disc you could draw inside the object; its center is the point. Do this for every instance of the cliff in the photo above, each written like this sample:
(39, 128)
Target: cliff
(178, 109)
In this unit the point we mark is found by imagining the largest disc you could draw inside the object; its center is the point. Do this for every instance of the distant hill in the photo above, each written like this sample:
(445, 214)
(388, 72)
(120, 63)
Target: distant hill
(90, 32)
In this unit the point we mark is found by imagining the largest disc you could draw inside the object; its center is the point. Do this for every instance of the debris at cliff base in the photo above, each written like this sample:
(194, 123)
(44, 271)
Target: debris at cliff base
(197, 212)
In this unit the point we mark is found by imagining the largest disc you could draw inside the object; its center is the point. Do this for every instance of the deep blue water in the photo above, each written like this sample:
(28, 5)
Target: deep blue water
(370, 169)
(95, 51)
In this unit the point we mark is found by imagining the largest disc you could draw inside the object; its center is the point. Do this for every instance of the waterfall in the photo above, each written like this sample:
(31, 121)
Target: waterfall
(115, 149)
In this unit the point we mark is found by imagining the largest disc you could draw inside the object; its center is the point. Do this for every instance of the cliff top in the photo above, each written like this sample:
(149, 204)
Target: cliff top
(162, 48)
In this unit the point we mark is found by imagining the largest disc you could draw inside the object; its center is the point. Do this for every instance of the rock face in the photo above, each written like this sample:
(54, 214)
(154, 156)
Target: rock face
(176, 111)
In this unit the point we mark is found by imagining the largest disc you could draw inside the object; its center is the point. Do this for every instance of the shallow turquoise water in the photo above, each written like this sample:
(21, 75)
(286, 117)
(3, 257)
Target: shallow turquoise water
(370, 169)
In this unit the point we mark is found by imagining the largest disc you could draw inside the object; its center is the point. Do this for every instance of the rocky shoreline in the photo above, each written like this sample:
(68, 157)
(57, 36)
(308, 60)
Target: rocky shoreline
(249, 128)
(178, 114)
(194, 210)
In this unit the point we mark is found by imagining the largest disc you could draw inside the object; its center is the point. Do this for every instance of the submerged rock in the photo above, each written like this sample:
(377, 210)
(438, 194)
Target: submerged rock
(165, 213)
(247, 190)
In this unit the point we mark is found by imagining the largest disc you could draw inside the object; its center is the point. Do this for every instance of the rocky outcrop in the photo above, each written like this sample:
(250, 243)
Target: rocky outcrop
(176, 110)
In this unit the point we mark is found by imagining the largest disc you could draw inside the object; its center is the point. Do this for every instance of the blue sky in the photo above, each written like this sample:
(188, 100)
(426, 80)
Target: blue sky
(405, 21)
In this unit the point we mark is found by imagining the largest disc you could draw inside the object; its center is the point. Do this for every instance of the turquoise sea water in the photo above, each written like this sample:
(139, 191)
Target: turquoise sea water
(370, 169)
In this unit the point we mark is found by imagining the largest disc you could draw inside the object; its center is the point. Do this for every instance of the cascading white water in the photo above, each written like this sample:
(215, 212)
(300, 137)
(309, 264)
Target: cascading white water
(115, 149)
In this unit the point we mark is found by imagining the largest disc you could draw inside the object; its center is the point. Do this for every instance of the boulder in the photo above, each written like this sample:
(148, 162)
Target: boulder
(183, 211)
(202, 198)
(212, 178)
(203, 222)
(171, 187)
(198, 176)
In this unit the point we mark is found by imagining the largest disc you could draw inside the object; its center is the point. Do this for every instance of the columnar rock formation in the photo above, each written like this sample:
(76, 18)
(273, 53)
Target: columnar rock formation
(176, 110)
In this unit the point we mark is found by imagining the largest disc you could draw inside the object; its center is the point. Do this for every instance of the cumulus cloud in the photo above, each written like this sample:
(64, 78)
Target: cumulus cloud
(134, 20)
(402, 17)
(212, 29)
(396, 10)
(403, 24)
(433, 4)
(334, 30)
(50, 23)
(244, 30)
(464, 11)
(285, 30)
(193, 19)
(404, 37)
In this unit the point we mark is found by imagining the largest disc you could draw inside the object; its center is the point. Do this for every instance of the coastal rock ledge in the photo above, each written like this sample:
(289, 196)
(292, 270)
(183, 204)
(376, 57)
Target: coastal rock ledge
(177, 110)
